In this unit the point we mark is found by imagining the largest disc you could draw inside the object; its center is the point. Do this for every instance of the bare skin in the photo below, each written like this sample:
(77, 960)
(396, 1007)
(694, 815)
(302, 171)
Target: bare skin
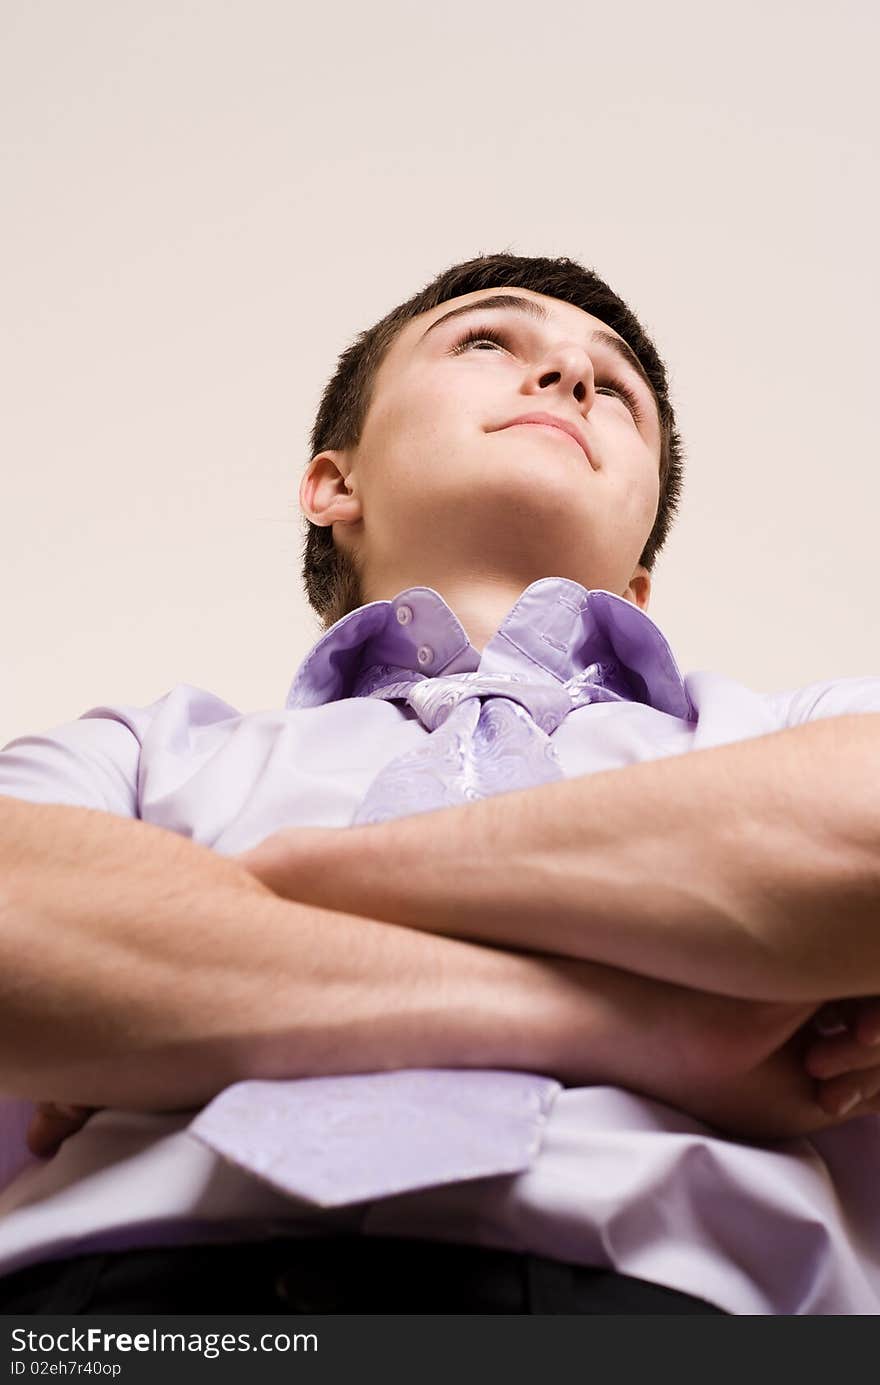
(440, 491)
(803, 1079)
(770, 1071)
(840, 1045)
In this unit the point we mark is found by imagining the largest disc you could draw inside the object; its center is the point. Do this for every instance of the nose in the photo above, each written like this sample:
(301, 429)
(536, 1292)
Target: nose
(569, 367)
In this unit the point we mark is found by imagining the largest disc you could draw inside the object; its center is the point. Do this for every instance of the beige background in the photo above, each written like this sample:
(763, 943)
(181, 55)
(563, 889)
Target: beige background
(203, 203)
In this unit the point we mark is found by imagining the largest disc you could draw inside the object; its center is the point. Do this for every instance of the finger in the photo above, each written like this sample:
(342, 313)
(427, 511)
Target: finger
(50, 1116)
(850, 1095)
(51, 1125)
(831, 1019)
(45, 1134)
(826, 1058)
(867, 1026)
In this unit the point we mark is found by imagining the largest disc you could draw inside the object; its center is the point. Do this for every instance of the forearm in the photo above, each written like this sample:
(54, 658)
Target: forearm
(141, 970)
(750, 869)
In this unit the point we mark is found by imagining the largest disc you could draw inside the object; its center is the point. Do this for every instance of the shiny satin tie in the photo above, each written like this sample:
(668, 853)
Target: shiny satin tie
(334, 1141)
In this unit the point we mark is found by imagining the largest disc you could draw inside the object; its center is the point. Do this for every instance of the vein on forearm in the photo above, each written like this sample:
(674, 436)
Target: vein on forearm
(750, 869)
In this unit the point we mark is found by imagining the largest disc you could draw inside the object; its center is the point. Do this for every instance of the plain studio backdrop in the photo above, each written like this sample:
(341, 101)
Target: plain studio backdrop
(204, 201)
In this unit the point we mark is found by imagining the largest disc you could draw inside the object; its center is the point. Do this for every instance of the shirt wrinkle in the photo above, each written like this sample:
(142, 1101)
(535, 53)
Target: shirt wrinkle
(617, 1179)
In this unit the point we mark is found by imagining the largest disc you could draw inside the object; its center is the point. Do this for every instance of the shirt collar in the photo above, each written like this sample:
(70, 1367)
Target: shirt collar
(555, 630)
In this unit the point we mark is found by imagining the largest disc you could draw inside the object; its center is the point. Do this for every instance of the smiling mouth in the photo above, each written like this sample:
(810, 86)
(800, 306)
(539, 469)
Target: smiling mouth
(551, 428)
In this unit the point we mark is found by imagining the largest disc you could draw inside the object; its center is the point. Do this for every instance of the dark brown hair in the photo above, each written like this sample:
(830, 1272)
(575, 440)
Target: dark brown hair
(331, 580)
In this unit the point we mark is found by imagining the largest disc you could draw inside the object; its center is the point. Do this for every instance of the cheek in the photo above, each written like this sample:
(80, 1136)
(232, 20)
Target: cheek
(637, 489)
(651, 492)
(416, 425)
(430, 430)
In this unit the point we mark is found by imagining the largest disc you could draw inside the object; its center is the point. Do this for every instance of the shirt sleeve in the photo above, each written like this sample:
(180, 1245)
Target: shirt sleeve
(89, 763)
(837, 697)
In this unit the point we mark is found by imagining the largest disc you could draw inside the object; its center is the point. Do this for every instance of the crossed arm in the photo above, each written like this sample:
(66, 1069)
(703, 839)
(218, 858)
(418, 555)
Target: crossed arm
(750, 870)
(736, 887)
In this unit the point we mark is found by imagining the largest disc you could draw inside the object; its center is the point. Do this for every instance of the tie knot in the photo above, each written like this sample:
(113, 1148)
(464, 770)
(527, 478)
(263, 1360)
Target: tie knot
(435, 698)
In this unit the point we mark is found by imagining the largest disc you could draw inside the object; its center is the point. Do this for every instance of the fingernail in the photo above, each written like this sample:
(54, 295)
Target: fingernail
(829, 1026)
(849, 1103)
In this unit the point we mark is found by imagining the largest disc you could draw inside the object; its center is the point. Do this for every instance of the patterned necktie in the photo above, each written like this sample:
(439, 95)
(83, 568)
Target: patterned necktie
(334, 1141)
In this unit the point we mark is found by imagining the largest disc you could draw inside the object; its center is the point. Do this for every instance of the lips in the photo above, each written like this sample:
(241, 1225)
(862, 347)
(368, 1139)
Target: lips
(553, 421)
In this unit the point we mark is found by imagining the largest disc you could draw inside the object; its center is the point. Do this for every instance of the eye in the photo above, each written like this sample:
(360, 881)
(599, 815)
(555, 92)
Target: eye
(628, 396)
(477, 334)
(495, 337)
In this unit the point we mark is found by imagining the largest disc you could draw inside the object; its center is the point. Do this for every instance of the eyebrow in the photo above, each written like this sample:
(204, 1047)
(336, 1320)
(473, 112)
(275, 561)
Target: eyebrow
(536, 310)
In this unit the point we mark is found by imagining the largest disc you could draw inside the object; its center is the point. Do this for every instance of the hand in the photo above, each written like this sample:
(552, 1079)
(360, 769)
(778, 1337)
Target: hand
(843, 1054)
(52, 1123)
(740, 1066)
(733, 1064)
(775, 1101)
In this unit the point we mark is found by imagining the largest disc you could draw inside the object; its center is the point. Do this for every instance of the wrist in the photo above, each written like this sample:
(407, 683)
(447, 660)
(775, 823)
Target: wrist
(362, 869)
(613, 1027)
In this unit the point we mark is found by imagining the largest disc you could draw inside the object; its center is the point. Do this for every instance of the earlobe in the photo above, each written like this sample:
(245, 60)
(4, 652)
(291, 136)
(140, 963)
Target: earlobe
(639, 589)
(325, 494)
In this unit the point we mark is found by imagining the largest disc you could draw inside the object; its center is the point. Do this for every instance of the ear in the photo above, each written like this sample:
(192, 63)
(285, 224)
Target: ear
(326, 495)
(639, 588)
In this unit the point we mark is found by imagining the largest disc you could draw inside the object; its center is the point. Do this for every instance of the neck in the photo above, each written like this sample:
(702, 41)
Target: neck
(480, 605)
(479, 600)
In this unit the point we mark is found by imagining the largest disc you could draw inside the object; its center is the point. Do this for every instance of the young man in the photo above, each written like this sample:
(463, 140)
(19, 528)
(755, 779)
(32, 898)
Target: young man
(494, 843)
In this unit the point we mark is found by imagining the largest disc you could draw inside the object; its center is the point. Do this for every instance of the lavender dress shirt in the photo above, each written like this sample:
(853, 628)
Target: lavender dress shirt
(383, 719)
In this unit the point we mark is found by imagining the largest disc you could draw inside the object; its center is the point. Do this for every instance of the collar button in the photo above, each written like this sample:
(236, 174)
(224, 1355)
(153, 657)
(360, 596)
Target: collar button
(425, 654)
(404, 615)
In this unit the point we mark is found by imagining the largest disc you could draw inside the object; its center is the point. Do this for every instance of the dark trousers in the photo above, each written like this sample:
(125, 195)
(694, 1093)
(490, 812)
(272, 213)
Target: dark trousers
(339, 1274)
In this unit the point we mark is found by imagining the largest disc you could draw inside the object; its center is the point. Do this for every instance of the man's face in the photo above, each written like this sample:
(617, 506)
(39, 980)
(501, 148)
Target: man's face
(442, 481)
